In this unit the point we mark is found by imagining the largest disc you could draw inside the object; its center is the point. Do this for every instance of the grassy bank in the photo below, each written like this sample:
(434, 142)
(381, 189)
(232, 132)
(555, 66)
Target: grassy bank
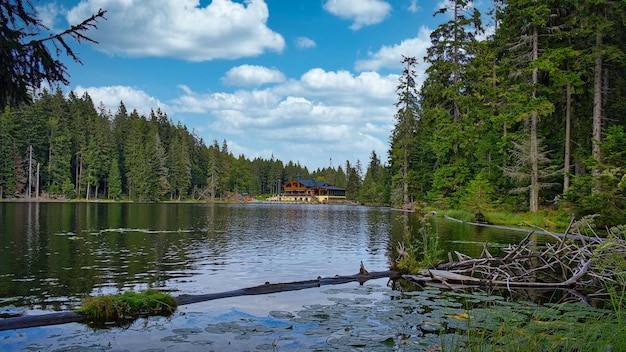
(547, 219)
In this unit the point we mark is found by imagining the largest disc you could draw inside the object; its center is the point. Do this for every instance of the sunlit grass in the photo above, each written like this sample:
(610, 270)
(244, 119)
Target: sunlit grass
(546, 219)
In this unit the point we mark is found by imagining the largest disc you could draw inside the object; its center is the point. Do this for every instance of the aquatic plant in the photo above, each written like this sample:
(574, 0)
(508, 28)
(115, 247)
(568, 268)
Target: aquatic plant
(552, 327)
(127, 306)
(423, 251)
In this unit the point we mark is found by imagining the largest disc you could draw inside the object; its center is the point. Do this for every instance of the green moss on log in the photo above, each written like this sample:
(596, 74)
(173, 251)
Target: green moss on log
(127, 306)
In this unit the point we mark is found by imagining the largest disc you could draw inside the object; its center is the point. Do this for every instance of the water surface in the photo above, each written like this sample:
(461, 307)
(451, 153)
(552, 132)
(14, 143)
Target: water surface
(52, 255)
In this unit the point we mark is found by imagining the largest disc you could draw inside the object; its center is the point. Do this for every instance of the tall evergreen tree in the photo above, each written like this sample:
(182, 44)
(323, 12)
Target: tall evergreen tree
(59, 145)
(160, 158)
(7, 143)
(528, 97)
(213, 169)
(353, 184)
(114, 180)
(446, 99)
(179, 159)
(403, 134)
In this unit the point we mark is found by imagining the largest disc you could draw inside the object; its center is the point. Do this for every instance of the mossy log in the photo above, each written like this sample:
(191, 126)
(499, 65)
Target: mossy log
(30, 321)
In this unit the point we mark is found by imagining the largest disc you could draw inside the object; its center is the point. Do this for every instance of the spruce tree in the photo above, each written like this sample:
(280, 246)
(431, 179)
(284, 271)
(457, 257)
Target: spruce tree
(404, 132)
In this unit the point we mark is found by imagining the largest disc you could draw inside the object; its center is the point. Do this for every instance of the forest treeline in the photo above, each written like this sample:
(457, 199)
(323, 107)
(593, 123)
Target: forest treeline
(530, 115)
(71, 150)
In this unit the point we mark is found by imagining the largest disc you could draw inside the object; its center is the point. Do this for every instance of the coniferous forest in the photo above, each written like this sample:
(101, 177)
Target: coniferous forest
(525, 116)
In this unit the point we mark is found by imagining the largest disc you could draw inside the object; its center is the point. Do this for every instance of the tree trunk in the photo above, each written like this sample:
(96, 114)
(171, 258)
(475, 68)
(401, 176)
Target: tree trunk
(597, 106)
(568, 136)
(534, 142)
(30, 170)
(79, 175)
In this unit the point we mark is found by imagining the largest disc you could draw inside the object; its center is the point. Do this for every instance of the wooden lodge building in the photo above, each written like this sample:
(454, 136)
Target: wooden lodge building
(311, 191)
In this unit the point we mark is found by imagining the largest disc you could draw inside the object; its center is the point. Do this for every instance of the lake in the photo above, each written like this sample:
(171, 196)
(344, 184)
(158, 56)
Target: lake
(52, 255)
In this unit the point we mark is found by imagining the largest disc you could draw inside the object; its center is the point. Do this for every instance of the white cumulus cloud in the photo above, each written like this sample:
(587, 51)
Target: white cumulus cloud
(361, 12)
(321, 114)
(305, 43)
(224, 29)
(251, 75)
(133, 98)
(391, 56)
(413, 6)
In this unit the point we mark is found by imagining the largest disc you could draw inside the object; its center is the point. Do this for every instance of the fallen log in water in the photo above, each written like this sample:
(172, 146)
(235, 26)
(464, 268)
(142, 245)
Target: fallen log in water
(30, 321)
(448, 278)
(578, 237)
(288, 286)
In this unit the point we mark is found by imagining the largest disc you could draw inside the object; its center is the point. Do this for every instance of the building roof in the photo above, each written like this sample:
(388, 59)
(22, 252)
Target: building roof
(320, 184)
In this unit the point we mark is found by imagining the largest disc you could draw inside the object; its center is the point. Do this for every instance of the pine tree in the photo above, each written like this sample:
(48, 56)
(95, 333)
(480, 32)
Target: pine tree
(374, 188)
(114, 180)
(179, 165)
(403, 135)
(527, 99)
(25, 53)
(7, 143)
(160, 158)
(353, 184)
(59, 145)
(213, 169)
(448, 104)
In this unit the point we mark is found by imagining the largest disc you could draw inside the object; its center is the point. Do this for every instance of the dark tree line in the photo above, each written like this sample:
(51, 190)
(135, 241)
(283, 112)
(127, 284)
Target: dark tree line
(61, 146)
(531, 116)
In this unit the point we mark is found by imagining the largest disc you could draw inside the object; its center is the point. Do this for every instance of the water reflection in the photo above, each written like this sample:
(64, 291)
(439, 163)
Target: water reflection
(61, 252)
(54, 254)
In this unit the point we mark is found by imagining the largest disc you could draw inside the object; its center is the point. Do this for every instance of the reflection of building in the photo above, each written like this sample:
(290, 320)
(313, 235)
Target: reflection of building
(311, 191)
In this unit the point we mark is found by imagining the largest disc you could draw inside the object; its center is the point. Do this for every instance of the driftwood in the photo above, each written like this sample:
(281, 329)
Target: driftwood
(569, 261)
(72, 317)
(448, 279)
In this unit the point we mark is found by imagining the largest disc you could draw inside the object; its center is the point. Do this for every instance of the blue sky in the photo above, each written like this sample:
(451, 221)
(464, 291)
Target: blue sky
(312, 81)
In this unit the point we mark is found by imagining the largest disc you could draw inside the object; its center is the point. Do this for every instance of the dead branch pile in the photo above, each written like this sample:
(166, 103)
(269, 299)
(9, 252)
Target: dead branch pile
(580, 262)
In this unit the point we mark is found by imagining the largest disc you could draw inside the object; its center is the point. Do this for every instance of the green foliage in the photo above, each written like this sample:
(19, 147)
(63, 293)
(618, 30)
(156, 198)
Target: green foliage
(479, 97)
(127, 306)
(556, 327)
(419, 252)
(478, 195)
(7, 147)
(455, 143)
(26, 43)
(114, 180)
(605, 193)
(610, 258)
(375, 189)
(405, 133)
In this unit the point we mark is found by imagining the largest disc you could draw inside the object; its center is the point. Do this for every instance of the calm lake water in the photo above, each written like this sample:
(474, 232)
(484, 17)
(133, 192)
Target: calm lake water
(52, 255)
